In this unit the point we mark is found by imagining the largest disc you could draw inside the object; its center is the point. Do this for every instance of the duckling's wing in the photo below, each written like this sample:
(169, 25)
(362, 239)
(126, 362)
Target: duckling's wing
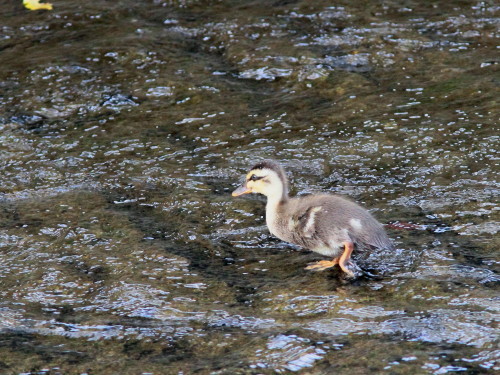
(305, 221)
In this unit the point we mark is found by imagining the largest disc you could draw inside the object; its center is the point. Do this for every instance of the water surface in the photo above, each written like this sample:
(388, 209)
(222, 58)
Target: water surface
(124, 126)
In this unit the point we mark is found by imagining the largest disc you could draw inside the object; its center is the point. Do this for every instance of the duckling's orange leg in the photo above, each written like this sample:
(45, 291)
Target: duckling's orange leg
(322, 265)
(344, 258)
(341, 261)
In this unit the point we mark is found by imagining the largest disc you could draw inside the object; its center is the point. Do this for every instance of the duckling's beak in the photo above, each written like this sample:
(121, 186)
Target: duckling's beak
(241, 190)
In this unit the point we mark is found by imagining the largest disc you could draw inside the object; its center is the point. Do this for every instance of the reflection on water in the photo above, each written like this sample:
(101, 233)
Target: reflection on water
(125, 126)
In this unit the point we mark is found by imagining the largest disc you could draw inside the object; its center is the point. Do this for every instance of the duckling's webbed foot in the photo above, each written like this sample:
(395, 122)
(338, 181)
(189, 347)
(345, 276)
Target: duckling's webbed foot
(352, 270)
(322, 265)
(347, 265)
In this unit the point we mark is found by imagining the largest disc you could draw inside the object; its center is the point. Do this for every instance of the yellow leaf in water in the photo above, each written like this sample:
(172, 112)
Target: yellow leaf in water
(35, 5)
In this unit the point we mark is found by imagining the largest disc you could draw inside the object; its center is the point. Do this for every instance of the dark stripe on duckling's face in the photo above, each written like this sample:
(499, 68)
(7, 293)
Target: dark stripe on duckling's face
(254, 177)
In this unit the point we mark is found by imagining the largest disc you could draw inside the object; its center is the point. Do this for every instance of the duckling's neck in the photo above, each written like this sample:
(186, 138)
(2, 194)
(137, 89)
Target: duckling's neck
(276, 199)
(278, 194)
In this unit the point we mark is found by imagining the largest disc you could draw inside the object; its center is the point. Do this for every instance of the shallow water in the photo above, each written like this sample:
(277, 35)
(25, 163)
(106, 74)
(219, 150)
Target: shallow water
(126, 125)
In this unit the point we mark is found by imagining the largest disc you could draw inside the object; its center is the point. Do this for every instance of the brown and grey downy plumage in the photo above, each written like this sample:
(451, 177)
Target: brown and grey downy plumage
(327, 224)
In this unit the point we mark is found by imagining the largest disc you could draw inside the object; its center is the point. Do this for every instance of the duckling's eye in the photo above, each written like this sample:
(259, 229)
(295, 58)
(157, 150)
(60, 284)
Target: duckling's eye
(254, 177)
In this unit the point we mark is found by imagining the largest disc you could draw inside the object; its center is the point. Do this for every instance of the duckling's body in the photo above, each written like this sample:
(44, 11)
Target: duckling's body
(327, 224)
(302, 221)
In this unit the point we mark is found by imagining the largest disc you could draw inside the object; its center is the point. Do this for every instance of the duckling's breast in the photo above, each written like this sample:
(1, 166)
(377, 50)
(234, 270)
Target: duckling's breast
(328, 250)
(272, 221)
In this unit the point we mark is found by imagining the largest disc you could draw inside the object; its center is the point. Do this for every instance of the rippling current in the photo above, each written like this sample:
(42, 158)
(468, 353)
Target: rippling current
(125, 125)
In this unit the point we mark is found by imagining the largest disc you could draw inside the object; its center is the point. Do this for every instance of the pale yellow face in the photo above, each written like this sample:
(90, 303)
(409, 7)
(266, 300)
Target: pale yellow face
(263, 181)
(257, 180)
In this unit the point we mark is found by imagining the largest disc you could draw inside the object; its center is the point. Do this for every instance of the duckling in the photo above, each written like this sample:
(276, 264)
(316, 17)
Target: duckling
(324, 223)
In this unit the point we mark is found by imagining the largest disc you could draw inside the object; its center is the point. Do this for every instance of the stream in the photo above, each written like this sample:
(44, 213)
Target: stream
(125, 125)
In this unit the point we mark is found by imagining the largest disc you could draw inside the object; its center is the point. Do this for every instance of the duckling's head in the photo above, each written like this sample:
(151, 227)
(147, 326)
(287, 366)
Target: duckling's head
(266, 177)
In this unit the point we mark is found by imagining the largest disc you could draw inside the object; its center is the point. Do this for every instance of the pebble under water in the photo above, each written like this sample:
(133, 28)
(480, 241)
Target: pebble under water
(125, 125)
